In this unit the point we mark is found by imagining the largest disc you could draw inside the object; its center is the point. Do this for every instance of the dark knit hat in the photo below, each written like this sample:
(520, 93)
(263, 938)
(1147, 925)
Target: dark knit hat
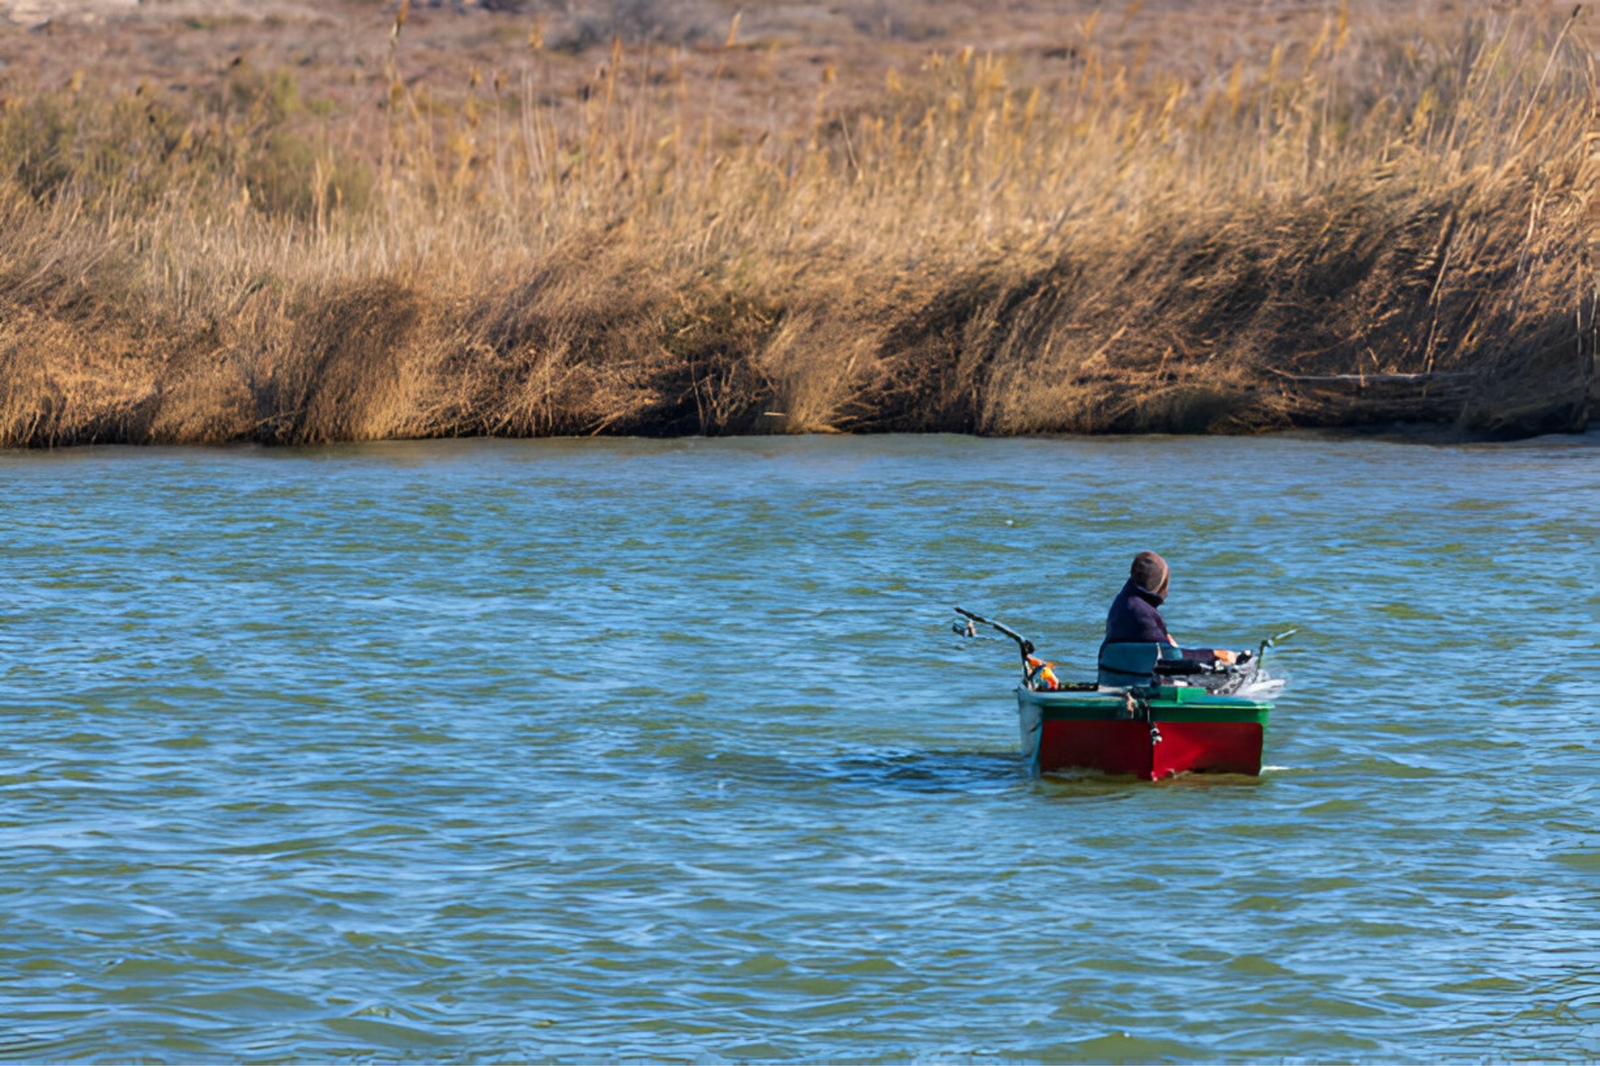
(1150, 573)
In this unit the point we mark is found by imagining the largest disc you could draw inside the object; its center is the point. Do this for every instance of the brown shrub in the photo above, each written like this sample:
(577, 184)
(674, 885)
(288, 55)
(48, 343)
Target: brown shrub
(1391, 219)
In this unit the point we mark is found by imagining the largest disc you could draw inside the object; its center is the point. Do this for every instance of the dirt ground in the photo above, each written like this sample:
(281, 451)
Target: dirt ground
(341, 51)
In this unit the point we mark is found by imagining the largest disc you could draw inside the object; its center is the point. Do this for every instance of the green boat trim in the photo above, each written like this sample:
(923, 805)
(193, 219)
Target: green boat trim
(1167, 703)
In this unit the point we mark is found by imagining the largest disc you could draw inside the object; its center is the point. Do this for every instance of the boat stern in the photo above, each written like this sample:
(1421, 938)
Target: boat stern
(1150, 733)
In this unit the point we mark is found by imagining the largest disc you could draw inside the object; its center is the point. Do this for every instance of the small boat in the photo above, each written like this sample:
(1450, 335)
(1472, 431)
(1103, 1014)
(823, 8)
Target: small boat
(1150, 732)
(1150, 713)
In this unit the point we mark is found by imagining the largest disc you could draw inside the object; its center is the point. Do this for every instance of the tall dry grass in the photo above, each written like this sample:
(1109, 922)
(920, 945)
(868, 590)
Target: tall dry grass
(1121, 248)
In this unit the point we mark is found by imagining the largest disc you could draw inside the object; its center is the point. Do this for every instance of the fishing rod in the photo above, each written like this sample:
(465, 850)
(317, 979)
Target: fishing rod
(1032, 668)
(1138, 707)
(1022, 642)
(1272, 642)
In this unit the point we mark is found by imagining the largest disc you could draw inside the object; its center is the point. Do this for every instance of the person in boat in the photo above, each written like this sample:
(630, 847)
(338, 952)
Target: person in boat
(1135, 615)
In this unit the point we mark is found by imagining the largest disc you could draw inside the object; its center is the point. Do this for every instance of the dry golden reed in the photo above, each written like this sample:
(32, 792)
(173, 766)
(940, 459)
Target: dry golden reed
(1392, 219)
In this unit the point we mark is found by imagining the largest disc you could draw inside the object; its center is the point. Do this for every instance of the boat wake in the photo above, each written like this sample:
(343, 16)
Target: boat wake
(1262, 688)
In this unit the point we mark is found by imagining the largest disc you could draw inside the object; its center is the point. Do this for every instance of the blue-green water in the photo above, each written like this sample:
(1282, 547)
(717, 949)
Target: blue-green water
(631, 750)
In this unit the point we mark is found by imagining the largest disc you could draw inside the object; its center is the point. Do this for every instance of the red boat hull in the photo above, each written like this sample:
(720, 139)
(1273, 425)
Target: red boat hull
(1126, 747)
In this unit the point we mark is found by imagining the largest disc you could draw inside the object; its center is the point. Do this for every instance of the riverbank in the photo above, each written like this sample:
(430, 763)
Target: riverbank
(297, 224)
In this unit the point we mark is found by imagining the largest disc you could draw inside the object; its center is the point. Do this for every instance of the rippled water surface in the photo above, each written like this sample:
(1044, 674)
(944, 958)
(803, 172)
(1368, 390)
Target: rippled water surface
(665, 750)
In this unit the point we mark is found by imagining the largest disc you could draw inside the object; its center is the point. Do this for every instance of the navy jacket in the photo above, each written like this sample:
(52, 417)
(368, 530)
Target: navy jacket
(1134, 618)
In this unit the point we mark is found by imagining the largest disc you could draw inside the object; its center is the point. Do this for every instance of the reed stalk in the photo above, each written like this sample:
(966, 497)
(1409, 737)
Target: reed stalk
(1392, 217)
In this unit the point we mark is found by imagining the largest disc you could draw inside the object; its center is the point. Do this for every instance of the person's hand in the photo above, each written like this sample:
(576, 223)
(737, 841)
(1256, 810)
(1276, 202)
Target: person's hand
(1223, 655)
